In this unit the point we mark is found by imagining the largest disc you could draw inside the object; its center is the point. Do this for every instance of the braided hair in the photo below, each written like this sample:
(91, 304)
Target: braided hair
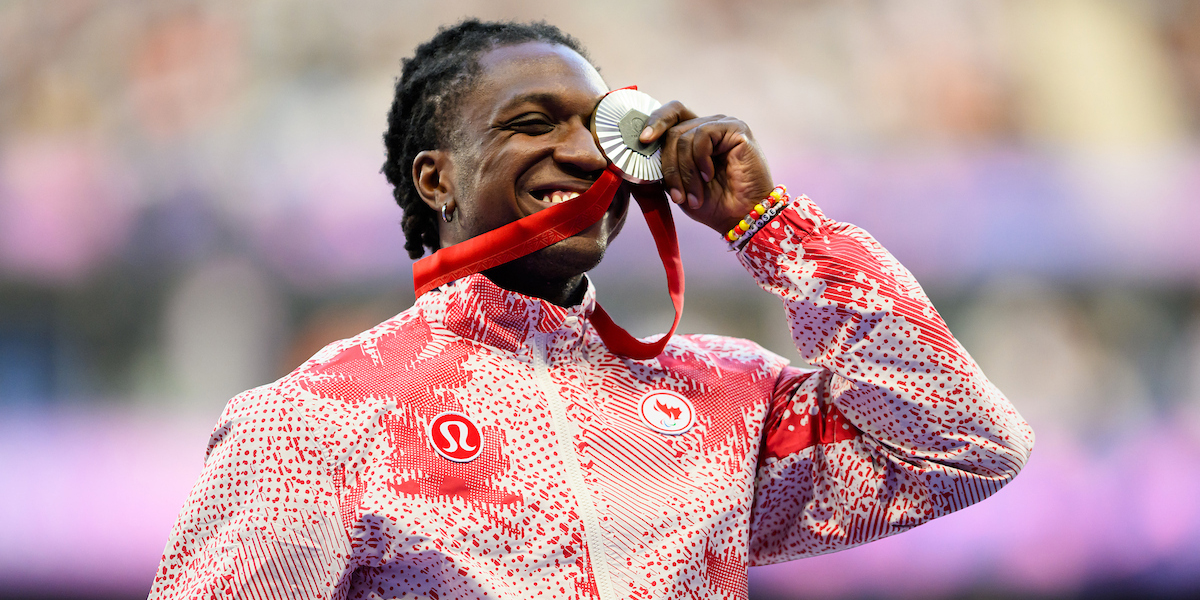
(424, 116)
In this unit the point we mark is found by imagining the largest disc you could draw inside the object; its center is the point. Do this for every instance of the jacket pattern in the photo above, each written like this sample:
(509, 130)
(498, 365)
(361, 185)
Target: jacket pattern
(486, 444)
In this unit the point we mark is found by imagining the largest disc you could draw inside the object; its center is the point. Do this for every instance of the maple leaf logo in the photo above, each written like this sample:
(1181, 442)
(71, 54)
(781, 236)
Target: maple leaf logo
(667, 410)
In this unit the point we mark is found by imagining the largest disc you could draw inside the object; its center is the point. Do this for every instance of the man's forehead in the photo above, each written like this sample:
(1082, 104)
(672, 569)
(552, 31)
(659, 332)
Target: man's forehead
(513, 71)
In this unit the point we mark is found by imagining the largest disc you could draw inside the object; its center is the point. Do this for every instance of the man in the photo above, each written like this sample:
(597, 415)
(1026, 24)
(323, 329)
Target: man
(487, 444)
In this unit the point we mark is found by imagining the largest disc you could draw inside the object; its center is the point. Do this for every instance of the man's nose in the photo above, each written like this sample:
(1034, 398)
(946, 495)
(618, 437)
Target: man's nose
(578, 148)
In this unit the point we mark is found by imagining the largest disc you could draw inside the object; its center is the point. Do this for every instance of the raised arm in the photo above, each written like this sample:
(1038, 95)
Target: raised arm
(897, 426)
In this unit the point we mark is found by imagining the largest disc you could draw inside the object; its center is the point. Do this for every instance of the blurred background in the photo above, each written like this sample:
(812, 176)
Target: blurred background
(191, 205)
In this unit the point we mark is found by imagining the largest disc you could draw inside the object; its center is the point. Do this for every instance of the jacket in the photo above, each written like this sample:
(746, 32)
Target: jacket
(486, 444)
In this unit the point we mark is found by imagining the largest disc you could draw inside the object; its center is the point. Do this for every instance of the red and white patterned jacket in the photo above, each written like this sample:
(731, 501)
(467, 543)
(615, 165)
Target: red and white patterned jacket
(596, 476)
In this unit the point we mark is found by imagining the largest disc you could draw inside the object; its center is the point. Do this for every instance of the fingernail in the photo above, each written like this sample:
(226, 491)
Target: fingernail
(693, 201)
(645, 135)
(677, 196)
(704, 176)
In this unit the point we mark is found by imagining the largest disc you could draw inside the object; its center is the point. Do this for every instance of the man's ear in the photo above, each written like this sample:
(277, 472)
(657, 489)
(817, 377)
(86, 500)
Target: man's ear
(433, 176)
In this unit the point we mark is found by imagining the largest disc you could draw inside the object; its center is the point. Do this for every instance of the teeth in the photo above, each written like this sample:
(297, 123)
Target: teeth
(556, 197)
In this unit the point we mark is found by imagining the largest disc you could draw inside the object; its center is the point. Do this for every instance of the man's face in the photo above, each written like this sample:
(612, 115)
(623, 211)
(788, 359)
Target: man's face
(523, 143)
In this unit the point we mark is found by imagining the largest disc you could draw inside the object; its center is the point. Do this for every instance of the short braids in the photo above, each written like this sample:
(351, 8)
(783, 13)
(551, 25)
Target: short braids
(424, 112)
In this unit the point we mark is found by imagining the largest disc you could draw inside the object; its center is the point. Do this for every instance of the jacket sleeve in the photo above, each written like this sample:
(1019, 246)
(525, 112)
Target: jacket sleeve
(262, 521)
(897, 426)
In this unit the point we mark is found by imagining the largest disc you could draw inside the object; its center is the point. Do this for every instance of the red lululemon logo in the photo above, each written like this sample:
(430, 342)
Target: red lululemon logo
(667, 412)
(455, 437)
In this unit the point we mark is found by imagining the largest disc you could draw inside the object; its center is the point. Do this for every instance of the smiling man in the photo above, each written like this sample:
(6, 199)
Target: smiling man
(518, 143)
(488, 443)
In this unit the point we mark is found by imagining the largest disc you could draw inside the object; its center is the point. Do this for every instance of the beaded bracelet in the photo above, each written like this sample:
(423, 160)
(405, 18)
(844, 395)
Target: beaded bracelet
(759, 215)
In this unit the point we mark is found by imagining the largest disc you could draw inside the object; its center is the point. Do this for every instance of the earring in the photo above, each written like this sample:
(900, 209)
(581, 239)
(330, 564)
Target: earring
(447, 217)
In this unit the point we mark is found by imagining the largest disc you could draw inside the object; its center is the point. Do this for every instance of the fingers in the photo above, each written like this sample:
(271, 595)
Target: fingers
(666, 117)
(690, 144)
(696, 155)
(692, 153)
(681, 176)
(669, 122)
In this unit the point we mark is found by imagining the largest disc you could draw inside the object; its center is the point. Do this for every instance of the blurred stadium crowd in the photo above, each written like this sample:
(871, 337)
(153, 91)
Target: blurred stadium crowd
(191, 205)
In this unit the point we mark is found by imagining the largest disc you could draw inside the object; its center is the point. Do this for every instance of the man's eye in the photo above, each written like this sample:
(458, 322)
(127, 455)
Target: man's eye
(532, 126)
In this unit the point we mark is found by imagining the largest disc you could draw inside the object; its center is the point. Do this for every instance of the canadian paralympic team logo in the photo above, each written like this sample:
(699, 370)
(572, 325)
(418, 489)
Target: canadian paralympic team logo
(455, 437)
(667, 412)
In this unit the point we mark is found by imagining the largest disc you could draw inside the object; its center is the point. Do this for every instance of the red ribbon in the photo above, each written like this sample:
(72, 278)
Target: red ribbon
(552, 225)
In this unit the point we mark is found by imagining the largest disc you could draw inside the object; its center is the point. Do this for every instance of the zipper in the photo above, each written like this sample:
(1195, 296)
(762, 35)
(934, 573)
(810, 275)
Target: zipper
(566, 449)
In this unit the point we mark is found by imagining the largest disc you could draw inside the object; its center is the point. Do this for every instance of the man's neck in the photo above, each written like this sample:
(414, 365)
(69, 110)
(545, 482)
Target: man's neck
(568, 292)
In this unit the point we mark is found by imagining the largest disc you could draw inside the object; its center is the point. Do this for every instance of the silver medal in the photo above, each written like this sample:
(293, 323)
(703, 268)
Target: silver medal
(619, 120)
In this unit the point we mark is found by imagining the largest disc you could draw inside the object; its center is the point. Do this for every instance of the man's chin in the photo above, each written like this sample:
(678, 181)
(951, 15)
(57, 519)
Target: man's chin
(573, 256)
(564, 260)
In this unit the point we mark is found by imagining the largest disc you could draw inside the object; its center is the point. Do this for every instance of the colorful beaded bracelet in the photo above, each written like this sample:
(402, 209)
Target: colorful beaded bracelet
(759, 215)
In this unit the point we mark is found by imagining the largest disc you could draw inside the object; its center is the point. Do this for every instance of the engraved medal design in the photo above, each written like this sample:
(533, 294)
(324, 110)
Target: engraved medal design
(618, 121)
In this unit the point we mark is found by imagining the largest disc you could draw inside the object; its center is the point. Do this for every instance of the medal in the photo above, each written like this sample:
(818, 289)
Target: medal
(619, 119)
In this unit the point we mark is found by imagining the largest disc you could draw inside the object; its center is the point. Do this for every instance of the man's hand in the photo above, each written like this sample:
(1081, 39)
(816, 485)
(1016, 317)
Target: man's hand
(712, 167)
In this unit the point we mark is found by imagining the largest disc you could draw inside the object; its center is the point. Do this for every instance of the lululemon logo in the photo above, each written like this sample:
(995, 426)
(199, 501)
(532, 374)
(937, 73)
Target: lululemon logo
(667, 412)
(455, 437)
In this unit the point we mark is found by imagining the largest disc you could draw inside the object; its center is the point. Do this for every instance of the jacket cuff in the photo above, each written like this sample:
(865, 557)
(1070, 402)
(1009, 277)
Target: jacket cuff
(784, 234)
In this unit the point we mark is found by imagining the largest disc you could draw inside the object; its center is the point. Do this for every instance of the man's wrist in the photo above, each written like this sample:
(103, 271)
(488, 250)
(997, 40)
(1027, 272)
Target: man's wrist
(760, 214)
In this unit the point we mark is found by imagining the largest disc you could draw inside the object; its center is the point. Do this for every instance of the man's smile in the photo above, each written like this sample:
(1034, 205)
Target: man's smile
(559, 191)
(557, 196)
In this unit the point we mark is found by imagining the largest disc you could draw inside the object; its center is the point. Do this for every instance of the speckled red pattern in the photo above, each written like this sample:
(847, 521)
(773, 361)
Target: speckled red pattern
(325, 484)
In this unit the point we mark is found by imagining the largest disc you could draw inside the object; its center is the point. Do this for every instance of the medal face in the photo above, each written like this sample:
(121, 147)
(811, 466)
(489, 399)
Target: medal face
(455, 437)
(619, 119)
(667, 412)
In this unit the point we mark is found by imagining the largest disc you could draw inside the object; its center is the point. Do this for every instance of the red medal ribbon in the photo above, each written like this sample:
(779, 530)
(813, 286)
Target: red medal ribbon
(657, 213)
(557, 223)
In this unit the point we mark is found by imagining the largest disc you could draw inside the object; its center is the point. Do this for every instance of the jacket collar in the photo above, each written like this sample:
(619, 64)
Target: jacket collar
(475, 308)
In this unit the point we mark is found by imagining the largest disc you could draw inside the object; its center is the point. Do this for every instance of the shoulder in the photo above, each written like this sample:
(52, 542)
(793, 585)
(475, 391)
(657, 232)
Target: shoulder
(383, 366)
(380, 348)
(729, 354)
(408, 327)
(339, 389)
(334, 372)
